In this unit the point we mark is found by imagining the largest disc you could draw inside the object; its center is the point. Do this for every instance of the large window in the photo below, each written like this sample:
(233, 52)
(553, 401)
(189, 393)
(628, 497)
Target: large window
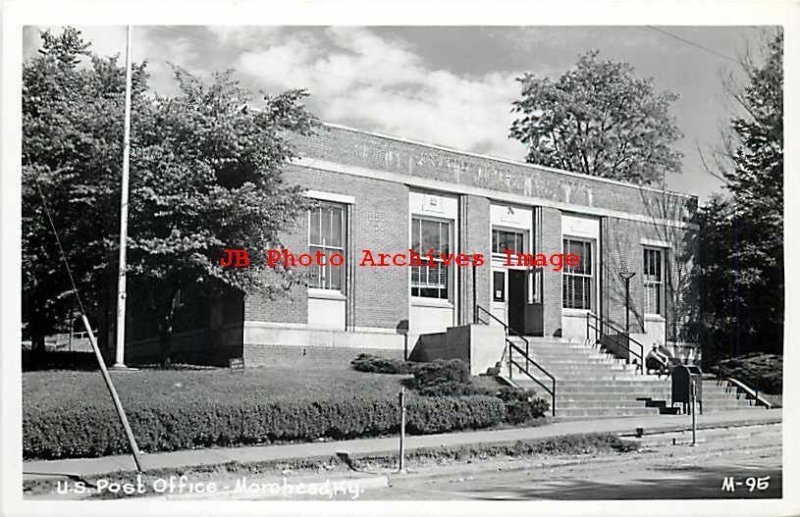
(653, 281)
(578, 281)
(326, 233)
(503, 240)
(430, 281)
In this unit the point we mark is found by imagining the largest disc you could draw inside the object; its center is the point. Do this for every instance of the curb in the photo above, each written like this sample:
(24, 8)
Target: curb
(704, 427)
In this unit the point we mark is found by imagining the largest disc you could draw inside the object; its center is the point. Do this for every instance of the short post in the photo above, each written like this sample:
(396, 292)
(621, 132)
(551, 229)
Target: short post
(402, 429)
(510, 363)
(527, 356)
(693, 381)
(587, 326)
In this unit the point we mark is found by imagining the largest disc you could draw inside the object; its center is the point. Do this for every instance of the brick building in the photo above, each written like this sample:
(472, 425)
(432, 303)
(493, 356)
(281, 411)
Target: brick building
(388, 195)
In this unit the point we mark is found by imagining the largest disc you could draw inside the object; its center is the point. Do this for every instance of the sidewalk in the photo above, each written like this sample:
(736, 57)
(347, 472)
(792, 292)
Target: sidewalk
(189, 458)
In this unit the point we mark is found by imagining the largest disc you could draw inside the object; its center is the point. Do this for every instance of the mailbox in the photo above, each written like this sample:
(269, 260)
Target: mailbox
(682, 379)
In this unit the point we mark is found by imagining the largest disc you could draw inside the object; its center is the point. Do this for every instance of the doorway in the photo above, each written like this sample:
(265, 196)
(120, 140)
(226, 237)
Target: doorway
(516, 300)
(525, 311)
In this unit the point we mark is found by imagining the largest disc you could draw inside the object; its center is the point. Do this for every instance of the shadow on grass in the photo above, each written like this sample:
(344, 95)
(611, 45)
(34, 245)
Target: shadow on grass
(86, 361)
(78, 361)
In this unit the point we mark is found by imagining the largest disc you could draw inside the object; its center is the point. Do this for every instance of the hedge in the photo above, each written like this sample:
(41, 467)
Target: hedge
(86, 430)
(375, 364)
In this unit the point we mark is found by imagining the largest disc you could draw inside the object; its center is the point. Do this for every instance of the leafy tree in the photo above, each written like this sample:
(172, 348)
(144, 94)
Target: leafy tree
(206, 174)
(71, 147)
(741, 262)
(207, 177)
(598, 119)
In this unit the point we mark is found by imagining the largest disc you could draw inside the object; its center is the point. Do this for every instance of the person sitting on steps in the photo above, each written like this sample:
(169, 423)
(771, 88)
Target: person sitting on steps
(657, 361)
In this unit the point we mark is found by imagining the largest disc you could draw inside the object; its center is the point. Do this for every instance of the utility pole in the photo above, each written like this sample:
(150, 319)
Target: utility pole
(119, 360)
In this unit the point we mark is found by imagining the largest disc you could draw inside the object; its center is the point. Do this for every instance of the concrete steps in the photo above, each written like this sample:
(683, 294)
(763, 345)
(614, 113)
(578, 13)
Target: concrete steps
(593, 384)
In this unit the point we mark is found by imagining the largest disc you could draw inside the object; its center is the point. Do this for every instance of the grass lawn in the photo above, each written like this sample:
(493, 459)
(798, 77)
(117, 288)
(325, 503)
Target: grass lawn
(68, 413)
(58, 388)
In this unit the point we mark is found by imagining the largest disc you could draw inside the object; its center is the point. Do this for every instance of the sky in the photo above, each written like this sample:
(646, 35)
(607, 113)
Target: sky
(451, 86)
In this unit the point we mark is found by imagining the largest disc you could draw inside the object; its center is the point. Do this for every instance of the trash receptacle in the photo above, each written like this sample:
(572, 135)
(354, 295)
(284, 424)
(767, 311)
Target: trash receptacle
(683, 377)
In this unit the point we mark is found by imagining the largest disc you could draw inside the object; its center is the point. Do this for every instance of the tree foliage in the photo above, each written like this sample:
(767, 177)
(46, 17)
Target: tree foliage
(71, 148)
(740, 264)
(206, 174)
(598, 119)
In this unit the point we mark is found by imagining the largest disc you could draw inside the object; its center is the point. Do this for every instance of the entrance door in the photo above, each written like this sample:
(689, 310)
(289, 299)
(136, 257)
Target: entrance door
(517, 300)
(524, 314)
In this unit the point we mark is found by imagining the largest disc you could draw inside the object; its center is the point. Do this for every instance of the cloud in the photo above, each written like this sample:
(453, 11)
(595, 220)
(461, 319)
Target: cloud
(355, 77)
(159, 46)
(358, 78)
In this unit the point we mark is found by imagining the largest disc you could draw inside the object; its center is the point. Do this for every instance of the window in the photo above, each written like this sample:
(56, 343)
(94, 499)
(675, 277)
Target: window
(503, 240)
(326, 228)
(430, 281)
(499, 286)
(578, 281)
(653, 281)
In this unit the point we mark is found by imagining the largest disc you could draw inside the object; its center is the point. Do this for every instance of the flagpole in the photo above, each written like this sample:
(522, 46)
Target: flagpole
(119, 361)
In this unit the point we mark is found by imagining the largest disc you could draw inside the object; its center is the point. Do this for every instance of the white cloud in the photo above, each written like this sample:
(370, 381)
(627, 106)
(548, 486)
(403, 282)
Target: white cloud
(245, 36)
(355, 77)
(146, 45)
(385, 86)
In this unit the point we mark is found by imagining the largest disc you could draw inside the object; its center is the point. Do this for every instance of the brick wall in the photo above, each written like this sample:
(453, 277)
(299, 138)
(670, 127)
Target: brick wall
(475, 238)
(278, 355)
(623, 247)
(350, 147)
(379, 298)
(548, 236)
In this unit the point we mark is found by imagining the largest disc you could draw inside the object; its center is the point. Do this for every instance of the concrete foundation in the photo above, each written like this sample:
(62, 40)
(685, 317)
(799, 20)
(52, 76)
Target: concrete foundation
(480, 346)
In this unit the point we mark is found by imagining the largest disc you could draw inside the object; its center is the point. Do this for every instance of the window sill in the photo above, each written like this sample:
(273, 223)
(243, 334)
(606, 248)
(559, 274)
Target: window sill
(575, 312)
(430, 302)
(326, 294)
(654, 317)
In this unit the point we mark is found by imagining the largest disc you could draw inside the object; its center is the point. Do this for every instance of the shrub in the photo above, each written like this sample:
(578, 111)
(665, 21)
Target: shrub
(441, 371)
(375, 364)
(437, 415)
(445, 378)
(522, 405)
(86, 428)
(453, 389)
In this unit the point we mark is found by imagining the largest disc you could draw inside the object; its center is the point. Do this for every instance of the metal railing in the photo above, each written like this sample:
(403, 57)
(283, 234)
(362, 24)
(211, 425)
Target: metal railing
(599, 325)
(512, 347)
(752, 390)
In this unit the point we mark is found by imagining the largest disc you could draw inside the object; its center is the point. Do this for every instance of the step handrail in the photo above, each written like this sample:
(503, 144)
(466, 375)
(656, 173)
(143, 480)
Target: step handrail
(752, 391)
(598, 324)
(524, 353)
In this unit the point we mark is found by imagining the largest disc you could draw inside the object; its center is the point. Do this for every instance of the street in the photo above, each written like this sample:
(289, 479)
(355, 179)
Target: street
(738, 462)
(660, 471)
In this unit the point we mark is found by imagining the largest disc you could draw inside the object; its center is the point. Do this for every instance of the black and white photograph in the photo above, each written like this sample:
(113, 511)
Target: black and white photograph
(305, 263)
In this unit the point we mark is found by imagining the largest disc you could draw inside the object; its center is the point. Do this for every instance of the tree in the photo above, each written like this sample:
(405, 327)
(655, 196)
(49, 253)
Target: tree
(70, 150)
(600, 120)
(741, 262)
(206, 174)
(209, 176)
